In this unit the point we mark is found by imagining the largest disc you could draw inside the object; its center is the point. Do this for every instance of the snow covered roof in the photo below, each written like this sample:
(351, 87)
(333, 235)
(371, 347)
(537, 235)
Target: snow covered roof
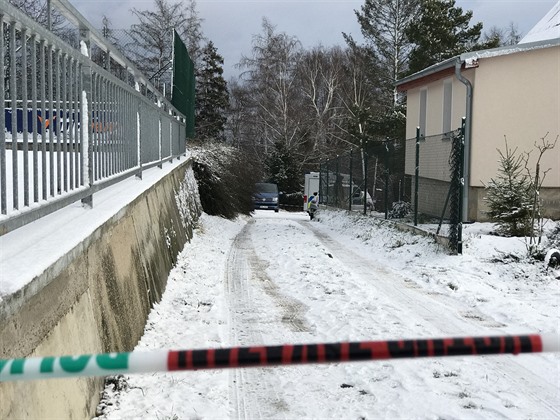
(510, 49)
(547, 28)
(545, 34)
(470, 59)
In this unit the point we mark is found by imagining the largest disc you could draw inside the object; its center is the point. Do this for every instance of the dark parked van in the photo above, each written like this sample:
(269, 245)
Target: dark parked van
(265, 196)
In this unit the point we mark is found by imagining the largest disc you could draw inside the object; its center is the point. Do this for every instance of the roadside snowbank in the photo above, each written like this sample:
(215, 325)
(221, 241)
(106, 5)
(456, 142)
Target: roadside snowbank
(319, 271)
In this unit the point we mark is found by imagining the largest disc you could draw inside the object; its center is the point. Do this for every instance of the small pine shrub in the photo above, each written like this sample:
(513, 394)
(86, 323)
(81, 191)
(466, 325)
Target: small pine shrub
(509, 196)
(400, 209)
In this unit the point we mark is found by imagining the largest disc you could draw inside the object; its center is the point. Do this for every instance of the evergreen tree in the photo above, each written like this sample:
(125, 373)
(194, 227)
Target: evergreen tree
(283, 168)
(383, 24)
(384, 59)
(212, 97)
(502, 37)
(509, 196)
(442, 32)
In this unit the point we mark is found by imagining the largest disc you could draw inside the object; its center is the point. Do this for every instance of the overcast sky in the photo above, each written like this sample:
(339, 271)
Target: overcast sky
(231, 24)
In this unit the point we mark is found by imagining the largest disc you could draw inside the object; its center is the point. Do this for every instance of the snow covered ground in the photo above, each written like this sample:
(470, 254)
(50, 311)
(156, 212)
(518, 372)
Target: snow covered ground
(278, 278)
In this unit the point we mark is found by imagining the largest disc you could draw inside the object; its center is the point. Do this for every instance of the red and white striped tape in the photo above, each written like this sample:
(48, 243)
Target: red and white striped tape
(262, 356)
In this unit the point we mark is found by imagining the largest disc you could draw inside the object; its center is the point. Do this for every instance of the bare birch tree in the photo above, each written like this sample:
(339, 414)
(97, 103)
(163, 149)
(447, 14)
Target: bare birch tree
(322, 72)
(152, 37)
(270, 76)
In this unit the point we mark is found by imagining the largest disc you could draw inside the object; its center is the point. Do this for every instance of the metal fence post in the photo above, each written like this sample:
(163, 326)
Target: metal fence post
(327, 181)
(43, 94)
(50, 97)
(461, 187)
(336, 178)
(160, 164)
(139, 134)
(320, 182)
(3, 184)
(86, 130)
(416, 176)
(366, 161)
(24, 111)
(386, 179)
(350, 191)
(13, 96)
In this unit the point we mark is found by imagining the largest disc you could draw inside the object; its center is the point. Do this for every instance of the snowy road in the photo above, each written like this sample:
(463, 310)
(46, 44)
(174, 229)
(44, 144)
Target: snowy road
(278, 278)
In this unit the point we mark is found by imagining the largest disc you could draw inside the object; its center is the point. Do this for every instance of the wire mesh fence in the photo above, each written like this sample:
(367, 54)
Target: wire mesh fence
(370, 180)
(418, 181)
(438, 182)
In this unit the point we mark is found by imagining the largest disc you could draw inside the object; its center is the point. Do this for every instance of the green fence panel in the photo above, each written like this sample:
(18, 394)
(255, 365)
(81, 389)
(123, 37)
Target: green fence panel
(183, 92)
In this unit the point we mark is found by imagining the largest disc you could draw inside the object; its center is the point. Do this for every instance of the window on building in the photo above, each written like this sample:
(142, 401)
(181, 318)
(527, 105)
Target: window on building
(447, 104)
(423, 109)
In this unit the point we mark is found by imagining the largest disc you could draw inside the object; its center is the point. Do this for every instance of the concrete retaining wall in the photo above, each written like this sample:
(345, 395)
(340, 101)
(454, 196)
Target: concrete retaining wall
(96, 298)
(478, 206)
(433, 193)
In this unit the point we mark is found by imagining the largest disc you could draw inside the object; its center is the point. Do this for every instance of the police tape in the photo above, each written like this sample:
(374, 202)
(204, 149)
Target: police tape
(264, 356)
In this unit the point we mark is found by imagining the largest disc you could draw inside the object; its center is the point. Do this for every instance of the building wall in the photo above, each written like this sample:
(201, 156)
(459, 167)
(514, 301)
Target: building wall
(478, 208)
(434, 114)
(435, 148)
(431, 163)
(516, 96)
(96, 298)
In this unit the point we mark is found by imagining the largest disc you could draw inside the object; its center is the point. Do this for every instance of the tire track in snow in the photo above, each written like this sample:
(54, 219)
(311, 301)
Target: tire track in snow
(450, 316)
(292, 309)
(252, 393)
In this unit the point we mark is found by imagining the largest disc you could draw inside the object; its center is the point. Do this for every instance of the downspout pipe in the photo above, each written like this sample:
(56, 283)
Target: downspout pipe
(468, 126)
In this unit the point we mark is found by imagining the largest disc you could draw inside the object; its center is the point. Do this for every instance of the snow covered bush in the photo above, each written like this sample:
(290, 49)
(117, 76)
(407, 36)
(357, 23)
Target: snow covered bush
(552, 258)
(554, 236)
(551, 251)
(226, 180)
(400, 209)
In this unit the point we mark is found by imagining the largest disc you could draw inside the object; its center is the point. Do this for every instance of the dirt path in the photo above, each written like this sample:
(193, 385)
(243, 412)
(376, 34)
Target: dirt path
(253, 392)
(452, 318)
(268, 307)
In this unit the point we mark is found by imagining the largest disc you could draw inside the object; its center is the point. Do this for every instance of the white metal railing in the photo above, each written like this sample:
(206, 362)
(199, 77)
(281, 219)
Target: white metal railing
(69, 127)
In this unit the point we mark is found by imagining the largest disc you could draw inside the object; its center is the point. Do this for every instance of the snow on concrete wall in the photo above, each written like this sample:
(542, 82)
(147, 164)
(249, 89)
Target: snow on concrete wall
(97, 297)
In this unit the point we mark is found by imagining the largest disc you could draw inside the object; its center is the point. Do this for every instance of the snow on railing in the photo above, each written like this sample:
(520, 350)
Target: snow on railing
(68, 127)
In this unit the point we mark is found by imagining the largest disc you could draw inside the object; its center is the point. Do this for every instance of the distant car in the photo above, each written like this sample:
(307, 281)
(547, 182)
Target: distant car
(265, 196)
(358, 199)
